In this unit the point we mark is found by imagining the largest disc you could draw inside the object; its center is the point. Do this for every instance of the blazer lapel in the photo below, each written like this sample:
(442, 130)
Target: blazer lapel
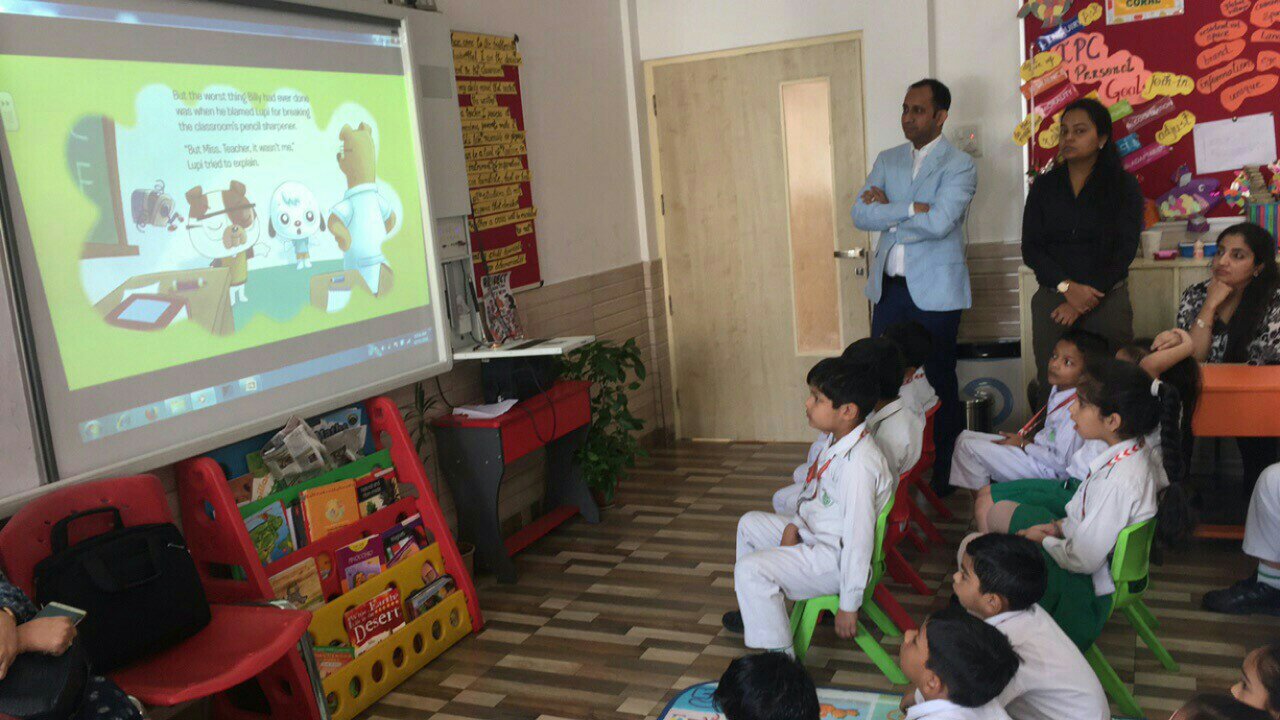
(933, 161)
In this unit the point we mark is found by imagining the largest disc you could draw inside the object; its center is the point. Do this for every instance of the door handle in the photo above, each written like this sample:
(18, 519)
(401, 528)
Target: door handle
(850, 253)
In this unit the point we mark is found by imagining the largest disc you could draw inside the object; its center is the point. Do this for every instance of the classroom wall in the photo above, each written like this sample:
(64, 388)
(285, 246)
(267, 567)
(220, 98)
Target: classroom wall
(972, 45)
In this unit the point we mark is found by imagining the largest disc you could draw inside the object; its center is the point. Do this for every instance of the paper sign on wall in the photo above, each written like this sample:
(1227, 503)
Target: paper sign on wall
(1125, 11)
(1225, 145)
(1090, 14)
(1145, 156)
(1167, 84)
(1128, 145)
(1176, 128)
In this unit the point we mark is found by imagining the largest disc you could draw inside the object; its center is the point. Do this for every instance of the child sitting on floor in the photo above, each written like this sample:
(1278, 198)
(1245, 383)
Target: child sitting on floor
(982, 458)
(825, 546)
(1217, 707)
(916, 345)
(1078, 523)
(1259, 685)
(1000, 580)
(767, 686)
(958, 666)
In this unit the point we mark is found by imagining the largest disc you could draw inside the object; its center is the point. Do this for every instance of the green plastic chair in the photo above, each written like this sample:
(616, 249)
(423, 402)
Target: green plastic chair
(1130, 569)
(805, 614)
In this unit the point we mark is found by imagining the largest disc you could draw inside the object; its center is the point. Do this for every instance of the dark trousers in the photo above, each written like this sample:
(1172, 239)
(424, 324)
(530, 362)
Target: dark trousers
(1256, 454)
(1112, 319)
(897, 306)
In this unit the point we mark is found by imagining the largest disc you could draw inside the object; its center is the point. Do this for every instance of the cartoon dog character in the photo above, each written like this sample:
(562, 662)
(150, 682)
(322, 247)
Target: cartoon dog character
(361, 221)
(295, 218)
(223, 226)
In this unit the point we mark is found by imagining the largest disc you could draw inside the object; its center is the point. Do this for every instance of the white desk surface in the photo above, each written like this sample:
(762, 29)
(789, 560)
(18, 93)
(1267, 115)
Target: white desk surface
(551, 346)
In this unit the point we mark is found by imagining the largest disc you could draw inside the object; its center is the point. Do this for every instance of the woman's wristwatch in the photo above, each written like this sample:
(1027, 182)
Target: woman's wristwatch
(1063, 286)
(1200, 323)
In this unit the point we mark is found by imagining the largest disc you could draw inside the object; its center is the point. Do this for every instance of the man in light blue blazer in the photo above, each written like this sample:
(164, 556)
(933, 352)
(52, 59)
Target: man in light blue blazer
(916, 197)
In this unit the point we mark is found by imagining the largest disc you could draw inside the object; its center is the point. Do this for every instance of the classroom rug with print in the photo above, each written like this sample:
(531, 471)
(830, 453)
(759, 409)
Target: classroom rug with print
(695, 703)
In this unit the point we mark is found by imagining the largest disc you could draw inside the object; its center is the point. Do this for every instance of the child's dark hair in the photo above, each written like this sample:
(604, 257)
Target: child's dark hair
(844, 382)
(1214, 706)
(1185, 378)
(1091, 345)
(767, 686)
(1124, 389)
(913, 340)
(884, 360)
(1010, 566)
(973, 659)
(1268, 671)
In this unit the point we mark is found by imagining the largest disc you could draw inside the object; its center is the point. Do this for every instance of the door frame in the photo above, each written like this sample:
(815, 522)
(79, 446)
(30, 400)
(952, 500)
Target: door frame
(655, 170)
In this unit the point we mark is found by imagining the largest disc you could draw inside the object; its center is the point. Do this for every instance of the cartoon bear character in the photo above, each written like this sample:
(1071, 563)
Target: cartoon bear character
(295, 218)
(223, 226)
(361, 221)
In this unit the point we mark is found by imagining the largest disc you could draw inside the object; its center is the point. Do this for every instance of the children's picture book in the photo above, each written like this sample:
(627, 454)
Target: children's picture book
(300, 585)
(271, 533)
(373, 621)
(299, 526)
(331, 658)
(425, 598)
(404, 539)
(500, 316)
(374, 492)
(329, 508)
(358, 561)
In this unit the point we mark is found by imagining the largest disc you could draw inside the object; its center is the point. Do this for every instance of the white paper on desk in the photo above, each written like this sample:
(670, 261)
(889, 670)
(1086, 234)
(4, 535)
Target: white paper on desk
(1231, 144)
(153, 289)
(485, 412)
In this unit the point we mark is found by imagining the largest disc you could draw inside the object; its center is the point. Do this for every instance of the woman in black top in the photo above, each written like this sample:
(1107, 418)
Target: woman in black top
(1080, 232)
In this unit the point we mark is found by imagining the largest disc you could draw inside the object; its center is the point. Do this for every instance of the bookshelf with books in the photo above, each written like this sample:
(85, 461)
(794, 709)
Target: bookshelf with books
(397, 546)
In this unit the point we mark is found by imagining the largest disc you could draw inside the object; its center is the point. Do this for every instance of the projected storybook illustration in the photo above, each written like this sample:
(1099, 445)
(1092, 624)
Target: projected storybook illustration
(206, 210)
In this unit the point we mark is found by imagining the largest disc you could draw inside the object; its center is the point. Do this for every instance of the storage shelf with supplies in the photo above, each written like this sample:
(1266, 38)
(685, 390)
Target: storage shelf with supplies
(219, 541)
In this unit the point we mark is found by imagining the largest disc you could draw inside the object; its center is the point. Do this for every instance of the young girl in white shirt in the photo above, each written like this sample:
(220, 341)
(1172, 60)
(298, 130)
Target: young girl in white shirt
(1078, 523)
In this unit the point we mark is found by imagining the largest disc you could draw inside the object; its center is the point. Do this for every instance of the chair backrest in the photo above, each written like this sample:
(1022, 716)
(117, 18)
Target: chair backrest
(1131, 561)
(877, 554)
(25, 541)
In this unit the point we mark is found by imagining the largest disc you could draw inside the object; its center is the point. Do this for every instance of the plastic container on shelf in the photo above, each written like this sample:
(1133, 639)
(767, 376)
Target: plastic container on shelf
(360, 683)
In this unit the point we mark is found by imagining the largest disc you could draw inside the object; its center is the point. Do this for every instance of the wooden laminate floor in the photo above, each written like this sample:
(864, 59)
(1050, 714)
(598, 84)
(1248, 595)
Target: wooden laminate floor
(610, 620)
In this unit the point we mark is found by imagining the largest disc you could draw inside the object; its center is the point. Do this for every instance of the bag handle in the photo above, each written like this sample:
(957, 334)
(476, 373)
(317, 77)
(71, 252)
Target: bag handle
(107, 582)
(58, 536)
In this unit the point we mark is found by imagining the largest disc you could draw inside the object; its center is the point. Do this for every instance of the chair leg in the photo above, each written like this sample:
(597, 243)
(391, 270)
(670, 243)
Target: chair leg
(888, 604)
(1111, 682)
(1145, 612)
(939, 507)
(930, 530)
(882, 659)
(880, 618)
(902, 571)
(920, 544)
(1149, 637)
(808, 621)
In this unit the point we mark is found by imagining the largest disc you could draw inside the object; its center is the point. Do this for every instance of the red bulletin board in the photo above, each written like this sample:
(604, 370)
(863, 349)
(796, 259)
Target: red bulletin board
(503, 238)
(1222, 46)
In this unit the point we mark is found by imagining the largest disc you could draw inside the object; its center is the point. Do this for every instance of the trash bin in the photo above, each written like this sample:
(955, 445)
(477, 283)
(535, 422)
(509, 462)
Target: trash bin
(977, 412)
(994, 370)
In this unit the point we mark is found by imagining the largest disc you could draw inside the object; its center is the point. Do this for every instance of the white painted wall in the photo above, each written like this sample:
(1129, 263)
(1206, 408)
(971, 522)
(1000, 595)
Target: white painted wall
(579, 122)
(972, 45)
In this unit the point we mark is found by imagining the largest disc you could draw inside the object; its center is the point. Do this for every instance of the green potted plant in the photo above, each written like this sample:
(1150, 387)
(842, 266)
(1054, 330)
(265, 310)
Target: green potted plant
(613, 442)
(417, 418)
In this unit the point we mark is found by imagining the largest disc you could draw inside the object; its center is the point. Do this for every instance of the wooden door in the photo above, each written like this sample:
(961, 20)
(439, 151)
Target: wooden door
(759, 156)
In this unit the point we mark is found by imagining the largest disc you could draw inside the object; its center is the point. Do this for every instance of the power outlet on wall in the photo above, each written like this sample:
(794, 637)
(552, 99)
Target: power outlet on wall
(969, 139)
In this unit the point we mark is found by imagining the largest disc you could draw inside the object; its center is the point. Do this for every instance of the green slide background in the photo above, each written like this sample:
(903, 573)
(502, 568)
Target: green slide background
(51, 94)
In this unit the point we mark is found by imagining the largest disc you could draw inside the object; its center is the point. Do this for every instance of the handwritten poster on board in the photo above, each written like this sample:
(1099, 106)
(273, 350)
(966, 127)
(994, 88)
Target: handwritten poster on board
(503, 237)
(1125, 11)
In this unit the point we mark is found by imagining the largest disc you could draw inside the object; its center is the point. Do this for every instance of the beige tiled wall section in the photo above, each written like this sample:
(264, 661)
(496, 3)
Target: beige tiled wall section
(993, 275)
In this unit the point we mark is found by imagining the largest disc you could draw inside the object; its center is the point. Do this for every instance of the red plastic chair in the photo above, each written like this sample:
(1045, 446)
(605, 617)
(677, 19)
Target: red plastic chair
(926, 461)
(899, 527)
(241, 643)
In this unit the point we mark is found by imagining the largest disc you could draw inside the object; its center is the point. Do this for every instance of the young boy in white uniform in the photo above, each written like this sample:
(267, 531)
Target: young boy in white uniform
(958, 666)
(916, 345)
(825, 547)
(1260, 593)
(897, 426)
(982, 458)
(1000, 580)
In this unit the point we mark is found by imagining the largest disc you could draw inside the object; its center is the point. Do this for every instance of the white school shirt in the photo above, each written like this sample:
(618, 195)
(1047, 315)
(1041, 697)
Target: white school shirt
(1120, 490)
(800, 473)
(1057, 442)
(947, 710)
(1054, 680)
(839, 508)
(1079, 466)
(899, 431)
(918, 392)
(896, 263)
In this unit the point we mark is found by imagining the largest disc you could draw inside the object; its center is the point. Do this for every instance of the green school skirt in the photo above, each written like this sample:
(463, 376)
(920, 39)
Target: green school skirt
(1069, 597)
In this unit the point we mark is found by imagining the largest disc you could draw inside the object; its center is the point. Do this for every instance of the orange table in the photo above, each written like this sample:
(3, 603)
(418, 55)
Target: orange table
(1236, 401)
